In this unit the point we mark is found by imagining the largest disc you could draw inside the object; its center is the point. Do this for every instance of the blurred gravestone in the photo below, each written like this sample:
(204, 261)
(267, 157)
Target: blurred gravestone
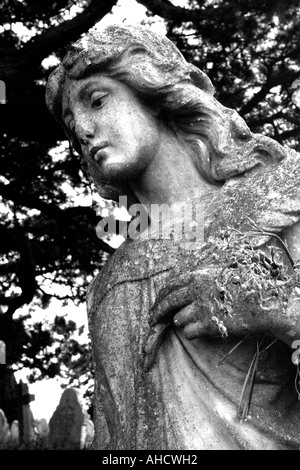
(65, 426)
(14, 431)
(2, 352)
(4, 428)
(87, 435)
(42, 428)
(2, 92)
(26, 420)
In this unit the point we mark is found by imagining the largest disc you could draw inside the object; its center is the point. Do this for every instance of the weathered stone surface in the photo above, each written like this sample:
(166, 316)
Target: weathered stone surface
(164, 313)
(65, 426)
(183, 400)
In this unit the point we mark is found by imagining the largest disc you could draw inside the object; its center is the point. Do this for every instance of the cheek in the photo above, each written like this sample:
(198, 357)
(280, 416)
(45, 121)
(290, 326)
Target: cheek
(138, 121)
(132, 131)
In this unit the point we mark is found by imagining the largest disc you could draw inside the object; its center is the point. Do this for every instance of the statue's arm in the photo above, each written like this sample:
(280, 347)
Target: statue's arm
(260, 293)
(232, 300)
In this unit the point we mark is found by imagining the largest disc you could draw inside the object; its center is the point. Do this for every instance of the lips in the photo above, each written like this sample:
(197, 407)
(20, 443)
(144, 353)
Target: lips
(95, 151)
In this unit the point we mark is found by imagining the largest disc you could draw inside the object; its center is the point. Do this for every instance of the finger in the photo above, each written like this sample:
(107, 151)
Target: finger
(196, 320)
(195, 330)
(197, 311)
(187, 315)
(201, 328)
(169, 305)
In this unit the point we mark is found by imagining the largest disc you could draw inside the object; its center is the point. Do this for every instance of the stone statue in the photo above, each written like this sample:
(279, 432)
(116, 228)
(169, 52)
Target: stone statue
(193, 324)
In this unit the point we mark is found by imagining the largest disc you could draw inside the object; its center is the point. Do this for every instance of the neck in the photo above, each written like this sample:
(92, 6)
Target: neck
(172, 177)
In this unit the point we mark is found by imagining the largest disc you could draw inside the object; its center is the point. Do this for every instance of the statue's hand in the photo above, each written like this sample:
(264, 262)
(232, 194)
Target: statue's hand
(187, 302)
(195, 303)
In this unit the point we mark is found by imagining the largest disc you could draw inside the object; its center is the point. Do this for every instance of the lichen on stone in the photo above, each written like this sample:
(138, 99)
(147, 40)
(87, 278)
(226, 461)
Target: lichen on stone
(262, 278)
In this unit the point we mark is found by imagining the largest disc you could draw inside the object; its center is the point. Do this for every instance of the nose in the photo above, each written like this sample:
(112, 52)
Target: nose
(85, 128)
(239, 127)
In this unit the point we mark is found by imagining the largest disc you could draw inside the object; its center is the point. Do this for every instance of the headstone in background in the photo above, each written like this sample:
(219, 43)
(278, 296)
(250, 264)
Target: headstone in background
(14, 431)
(4, 428)
(87, 433)
(2, 92)
(2, 352)
(42, 428)
(26, 420)
(65, 426)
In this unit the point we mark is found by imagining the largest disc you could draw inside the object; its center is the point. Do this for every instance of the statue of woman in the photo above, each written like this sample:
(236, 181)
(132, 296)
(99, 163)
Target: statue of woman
(191, 329)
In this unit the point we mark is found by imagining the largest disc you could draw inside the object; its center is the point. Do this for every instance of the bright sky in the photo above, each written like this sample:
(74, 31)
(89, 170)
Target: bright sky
(130, 12)
(48, 392)
(47, 396)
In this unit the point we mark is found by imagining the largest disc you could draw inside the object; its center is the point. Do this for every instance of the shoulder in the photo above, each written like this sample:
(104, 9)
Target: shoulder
(269, 196)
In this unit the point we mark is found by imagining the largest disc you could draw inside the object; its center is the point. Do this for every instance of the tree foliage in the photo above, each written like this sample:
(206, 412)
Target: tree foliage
(48, 243)
(249, 48)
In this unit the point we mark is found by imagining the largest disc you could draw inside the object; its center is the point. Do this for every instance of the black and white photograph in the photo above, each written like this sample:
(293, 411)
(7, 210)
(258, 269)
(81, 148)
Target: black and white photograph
(149, 228)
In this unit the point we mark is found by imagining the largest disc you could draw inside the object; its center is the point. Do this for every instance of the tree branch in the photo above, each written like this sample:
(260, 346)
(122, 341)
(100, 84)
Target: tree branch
(34, 202)
(279, 78)
(290, 133)
(56, 296)
(25, 273)
(255, 100)
(168, 11)
(39, 47)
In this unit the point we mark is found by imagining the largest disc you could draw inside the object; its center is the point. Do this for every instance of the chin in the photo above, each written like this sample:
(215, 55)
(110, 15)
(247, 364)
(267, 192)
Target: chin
(120, 172)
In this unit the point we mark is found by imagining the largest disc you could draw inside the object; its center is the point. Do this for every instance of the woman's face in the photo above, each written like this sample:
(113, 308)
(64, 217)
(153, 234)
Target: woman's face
(117, 132)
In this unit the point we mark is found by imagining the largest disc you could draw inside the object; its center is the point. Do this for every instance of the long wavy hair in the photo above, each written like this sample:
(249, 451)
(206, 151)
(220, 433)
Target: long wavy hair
(157, 71)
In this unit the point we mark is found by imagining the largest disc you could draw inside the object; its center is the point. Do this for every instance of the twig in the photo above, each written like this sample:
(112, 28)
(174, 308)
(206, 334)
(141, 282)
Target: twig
(246, 395)
(270, 234)
(245, 399)
(231, 350)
